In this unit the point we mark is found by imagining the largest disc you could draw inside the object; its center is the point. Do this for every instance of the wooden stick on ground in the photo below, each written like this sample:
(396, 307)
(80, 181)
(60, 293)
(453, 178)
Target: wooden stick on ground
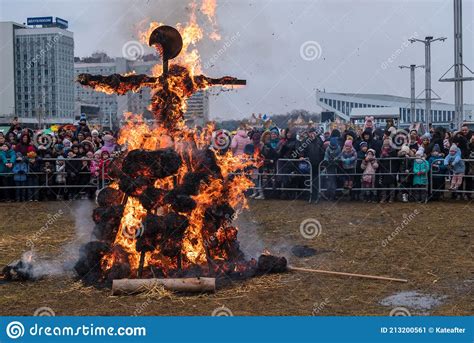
(192, 285)
(374, 277)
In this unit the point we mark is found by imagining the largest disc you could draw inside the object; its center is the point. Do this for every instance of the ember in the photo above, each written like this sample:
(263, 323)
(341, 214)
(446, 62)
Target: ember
(169, 211)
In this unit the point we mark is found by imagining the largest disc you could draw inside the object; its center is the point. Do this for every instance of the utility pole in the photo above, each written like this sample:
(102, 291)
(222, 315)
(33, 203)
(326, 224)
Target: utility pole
(412, 68)
(458, 66)
(427, 41)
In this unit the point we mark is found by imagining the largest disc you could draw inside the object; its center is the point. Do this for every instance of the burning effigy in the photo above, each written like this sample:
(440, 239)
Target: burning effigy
(169, 211)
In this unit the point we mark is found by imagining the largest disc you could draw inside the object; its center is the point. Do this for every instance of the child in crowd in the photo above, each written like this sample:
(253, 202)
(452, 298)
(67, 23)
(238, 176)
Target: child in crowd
(34, 169)
(369, 166)
(348, 158)
(438, 170)
(405, 171)
(104, 168)
(421, 168)
(456, 166)
(20, 171)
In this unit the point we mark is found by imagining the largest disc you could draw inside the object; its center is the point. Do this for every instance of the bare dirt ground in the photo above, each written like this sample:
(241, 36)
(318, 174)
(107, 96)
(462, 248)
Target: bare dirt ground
(433, 250)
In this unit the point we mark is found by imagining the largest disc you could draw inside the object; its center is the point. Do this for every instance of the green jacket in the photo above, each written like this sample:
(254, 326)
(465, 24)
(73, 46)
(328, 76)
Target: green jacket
(6, 157)
(423, 168)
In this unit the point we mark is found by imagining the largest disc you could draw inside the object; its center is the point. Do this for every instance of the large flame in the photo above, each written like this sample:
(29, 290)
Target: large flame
(226, 187)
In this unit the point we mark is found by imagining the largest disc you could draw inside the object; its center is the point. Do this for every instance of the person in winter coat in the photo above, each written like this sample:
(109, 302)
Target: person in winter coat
(314, 152)
(109, 144)
(34, 169)
(421, 169)
(24, 146)
(348, 160)
(290, 149)
(239, 141)
(388, 167)
(332, 164)
(104, 164)
(369, 166)
(361, 153)
(73, 168)
(456, 166)
(20, 172)
(438, 170)
(274, 137)
(7, 160)
(405, 168)
(82, 128)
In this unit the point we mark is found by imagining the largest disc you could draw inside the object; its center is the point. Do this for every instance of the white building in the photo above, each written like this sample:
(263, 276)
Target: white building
(342, 104)
(113, 106)
(37, 72)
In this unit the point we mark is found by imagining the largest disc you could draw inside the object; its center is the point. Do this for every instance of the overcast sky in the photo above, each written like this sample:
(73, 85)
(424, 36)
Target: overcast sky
(358, 45)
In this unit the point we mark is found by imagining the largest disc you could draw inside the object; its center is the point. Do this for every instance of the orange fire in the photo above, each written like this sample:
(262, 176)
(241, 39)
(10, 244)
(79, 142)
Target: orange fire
(224, 188)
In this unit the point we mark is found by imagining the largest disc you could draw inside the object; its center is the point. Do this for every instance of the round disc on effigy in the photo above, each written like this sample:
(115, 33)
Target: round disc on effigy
(169, 40)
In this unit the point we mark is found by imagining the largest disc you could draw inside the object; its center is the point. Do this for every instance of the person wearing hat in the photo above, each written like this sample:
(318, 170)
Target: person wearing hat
(332, 164)
(239, 141)
(20, 171)
(456, 166)
(82, 127)
(313, 150)
(274, 137)
(348, 158)
(7, 160)
(421, 169)
(34, 170)
(388, 167)
(438, 170)
(405, 167)
(369, 167)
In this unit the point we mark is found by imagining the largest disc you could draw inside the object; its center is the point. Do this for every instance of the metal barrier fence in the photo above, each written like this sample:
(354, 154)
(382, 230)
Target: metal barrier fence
(283, 175)
(48, 180)
(401, 179)
(438, 177)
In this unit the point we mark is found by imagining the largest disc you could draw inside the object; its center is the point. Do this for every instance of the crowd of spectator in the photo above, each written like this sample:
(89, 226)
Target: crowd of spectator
(365, 164)
(70, 162)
